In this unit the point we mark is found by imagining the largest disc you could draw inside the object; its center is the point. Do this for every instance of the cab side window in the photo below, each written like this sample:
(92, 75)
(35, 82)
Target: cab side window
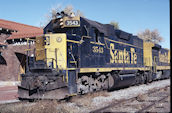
(85, 31)
(96, 35)
(101, 38)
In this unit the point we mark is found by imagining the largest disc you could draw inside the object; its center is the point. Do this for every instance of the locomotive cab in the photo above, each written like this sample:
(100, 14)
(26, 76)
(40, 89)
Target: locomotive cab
(51, 49)
(46, 76)
(46, 72)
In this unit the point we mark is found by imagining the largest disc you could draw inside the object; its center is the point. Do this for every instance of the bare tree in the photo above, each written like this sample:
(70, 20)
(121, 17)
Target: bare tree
(69, 9)
(79, 13)
(52, 14)
(151, 36)
(115, 24)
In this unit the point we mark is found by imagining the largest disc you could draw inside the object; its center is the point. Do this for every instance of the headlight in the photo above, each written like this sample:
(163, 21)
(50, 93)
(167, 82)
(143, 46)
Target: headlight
(58, 39)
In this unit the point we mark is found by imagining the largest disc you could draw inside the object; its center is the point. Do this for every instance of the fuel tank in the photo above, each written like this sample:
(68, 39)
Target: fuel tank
(121, 81)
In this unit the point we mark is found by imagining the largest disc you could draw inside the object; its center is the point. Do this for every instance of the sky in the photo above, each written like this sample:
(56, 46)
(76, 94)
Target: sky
(133, 16)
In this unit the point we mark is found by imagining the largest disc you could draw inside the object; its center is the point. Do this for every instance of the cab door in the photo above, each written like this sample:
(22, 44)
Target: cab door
(84, 52)
(97, 49)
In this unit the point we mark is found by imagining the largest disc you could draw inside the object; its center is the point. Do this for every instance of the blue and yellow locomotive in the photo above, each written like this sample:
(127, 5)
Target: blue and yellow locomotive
(77, 56)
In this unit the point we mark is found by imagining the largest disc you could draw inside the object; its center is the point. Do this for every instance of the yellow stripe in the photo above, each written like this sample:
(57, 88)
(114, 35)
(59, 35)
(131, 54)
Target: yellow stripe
(73, 41)
(123, 43)
(67, 76)
(88, 70)
(106, 45)
(85, 70)
(97, 43)
(162, 67)
(73, 61)
(71, 68)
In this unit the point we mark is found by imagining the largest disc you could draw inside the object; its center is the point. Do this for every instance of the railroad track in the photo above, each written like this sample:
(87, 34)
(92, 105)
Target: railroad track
(151, 105)
(14, 103)
(150, 100)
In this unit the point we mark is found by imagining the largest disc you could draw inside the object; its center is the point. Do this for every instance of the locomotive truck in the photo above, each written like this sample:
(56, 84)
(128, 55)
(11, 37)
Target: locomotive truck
(77, 56)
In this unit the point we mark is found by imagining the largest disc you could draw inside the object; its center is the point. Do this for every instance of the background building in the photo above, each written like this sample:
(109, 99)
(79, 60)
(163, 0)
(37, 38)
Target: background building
(13, 42)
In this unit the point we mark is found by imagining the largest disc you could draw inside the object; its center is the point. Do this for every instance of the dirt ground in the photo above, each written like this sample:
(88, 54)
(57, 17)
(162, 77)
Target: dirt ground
(78, 104)
(8, 93)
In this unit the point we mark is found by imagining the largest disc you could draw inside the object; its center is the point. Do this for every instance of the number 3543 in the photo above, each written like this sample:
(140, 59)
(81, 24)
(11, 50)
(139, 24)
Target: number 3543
(72, 23)
(97, 49)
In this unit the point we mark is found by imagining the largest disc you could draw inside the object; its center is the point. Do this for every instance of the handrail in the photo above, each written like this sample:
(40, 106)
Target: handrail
(44, 59)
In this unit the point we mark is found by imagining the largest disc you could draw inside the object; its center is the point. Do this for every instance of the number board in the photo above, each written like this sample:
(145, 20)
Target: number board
(72, 23)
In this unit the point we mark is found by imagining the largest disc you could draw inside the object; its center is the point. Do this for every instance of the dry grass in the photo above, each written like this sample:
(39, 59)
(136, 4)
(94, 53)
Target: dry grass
(86, 100)
(38, 107)
(76, 104)
(141, 97)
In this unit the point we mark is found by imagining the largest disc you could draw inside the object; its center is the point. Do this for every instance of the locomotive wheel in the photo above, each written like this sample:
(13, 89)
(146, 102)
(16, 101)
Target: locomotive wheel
(98, 85)
(138, 80)
(92, 85)
(83, 85)
(103, 81)
(87, 84)
(111, 82)
(146, 77)
(142, 79)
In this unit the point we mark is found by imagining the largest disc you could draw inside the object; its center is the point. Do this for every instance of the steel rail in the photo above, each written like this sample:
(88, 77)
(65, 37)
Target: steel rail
(131, 99)
(154, 103)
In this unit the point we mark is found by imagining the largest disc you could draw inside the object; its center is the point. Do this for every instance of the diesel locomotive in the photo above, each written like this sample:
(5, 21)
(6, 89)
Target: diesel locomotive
(77, 55)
